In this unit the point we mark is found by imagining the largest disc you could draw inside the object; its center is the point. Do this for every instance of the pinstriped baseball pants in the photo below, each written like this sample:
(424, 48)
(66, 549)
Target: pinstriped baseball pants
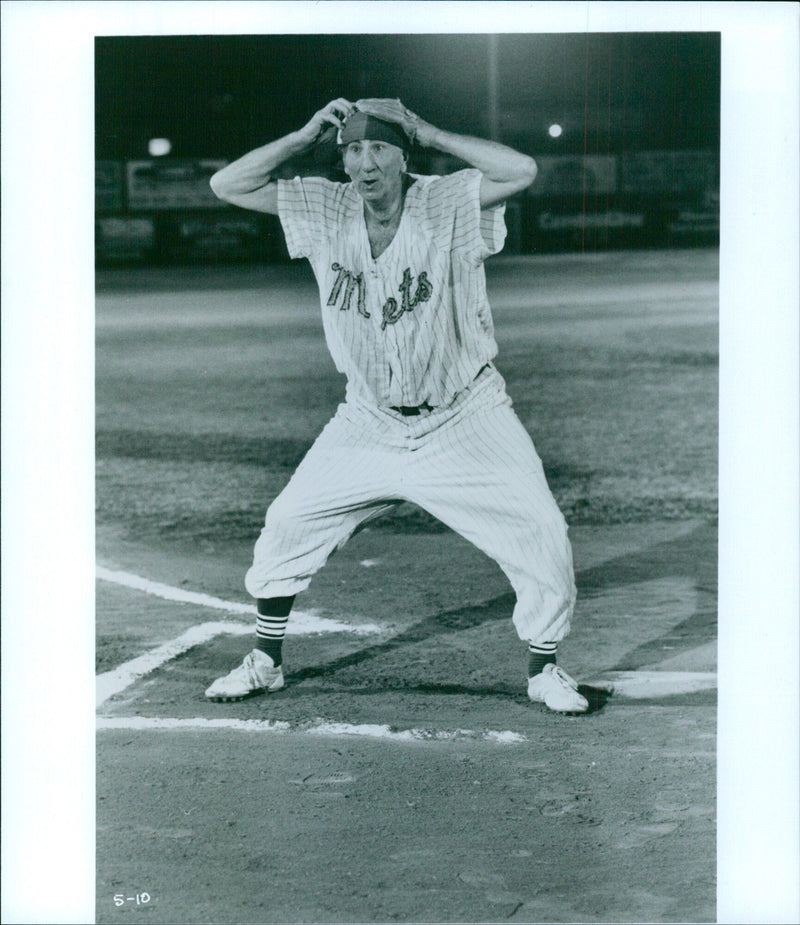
(471, 465)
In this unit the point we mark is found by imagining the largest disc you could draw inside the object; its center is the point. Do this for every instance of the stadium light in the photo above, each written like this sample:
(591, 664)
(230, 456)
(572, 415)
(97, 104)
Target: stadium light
(158, 147)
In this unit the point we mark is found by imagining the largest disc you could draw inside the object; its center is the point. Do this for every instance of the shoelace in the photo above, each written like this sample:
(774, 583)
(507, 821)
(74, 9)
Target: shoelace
(248, 670)
(563, 678)
(250, 665)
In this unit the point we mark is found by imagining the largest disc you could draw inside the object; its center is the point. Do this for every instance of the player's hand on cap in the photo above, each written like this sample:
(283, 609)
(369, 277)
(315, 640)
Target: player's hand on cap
(393, 110)
(322, 127)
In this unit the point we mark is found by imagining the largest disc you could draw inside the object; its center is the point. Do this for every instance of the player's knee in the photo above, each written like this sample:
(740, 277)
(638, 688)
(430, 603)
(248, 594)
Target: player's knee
(280, 517)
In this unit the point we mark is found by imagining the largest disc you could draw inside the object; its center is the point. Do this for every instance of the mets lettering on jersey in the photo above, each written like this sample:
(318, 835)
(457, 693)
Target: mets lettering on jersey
(412, 325)
(355, 281)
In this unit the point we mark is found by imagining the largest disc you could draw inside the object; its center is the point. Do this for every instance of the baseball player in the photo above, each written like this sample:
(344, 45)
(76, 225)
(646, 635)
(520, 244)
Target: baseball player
(398, 258)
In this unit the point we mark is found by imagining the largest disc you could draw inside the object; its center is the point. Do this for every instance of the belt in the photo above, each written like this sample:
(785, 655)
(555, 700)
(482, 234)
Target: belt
(410, 411)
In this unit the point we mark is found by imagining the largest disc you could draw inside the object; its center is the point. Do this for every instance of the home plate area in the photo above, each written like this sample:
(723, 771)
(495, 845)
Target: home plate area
(349, 679)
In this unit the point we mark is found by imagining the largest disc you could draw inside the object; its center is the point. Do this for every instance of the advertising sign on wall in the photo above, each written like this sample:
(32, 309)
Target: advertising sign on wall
(154, 185)
(669, 172)
(608, 220)
(108, 192)
(575, 176)
(124, 238)
(219, 236)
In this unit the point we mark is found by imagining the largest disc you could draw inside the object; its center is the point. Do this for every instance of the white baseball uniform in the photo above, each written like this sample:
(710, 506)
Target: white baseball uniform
(412, 329)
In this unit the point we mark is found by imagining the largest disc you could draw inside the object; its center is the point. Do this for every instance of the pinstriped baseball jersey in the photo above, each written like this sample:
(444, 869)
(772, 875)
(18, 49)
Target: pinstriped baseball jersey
(414, 324)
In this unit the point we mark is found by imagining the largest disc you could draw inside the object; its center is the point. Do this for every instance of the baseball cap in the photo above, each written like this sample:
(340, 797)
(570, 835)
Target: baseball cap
(360, 126)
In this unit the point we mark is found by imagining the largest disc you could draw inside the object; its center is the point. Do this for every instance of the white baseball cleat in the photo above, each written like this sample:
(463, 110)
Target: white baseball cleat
(557, 690)
(256, 675)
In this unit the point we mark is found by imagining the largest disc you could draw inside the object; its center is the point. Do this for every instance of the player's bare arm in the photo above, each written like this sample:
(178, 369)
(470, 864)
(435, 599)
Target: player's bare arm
(248, 181)
(505, 171)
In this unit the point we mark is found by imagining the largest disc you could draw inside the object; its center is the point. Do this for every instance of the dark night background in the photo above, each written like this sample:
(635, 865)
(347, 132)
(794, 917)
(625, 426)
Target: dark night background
(218, 96)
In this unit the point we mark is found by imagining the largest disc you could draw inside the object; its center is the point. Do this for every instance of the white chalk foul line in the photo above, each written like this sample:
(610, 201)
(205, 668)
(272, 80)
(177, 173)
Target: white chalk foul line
(301, 623)
(113, 682)
(639, 685)
(319, 728)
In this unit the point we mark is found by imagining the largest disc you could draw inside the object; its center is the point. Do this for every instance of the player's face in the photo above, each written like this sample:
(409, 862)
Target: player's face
(376, 168)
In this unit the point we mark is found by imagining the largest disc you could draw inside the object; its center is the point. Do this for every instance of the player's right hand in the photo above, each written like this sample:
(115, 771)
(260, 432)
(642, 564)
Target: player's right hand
(326, 122)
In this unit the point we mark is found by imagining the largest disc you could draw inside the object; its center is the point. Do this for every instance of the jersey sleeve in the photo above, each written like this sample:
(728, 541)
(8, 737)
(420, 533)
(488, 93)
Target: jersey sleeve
(308, 208)
(454, 210)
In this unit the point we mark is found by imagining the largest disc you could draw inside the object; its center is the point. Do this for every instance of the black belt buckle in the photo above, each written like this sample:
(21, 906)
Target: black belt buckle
(410, 411)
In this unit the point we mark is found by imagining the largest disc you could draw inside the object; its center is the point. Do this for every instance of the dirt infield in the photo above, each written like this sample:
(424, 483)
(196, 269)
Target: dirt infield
(583, 823)
(402, 775)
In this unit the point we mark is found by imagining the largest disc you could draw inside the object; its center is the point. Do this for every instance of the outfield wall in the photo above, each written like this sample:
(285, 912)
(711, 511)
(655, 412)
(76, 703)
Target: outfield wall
(163, 210)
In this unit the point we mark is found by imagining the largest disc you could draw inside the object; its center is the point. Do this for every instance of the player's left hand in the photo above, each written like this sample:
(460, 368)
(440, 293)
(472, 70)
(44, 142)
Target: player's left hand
(391, 110)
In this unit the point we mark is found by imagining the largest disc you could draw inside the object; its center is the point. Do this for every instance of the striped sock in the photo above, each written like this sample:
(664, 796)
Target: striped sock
(539, 655)
(273, 615)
